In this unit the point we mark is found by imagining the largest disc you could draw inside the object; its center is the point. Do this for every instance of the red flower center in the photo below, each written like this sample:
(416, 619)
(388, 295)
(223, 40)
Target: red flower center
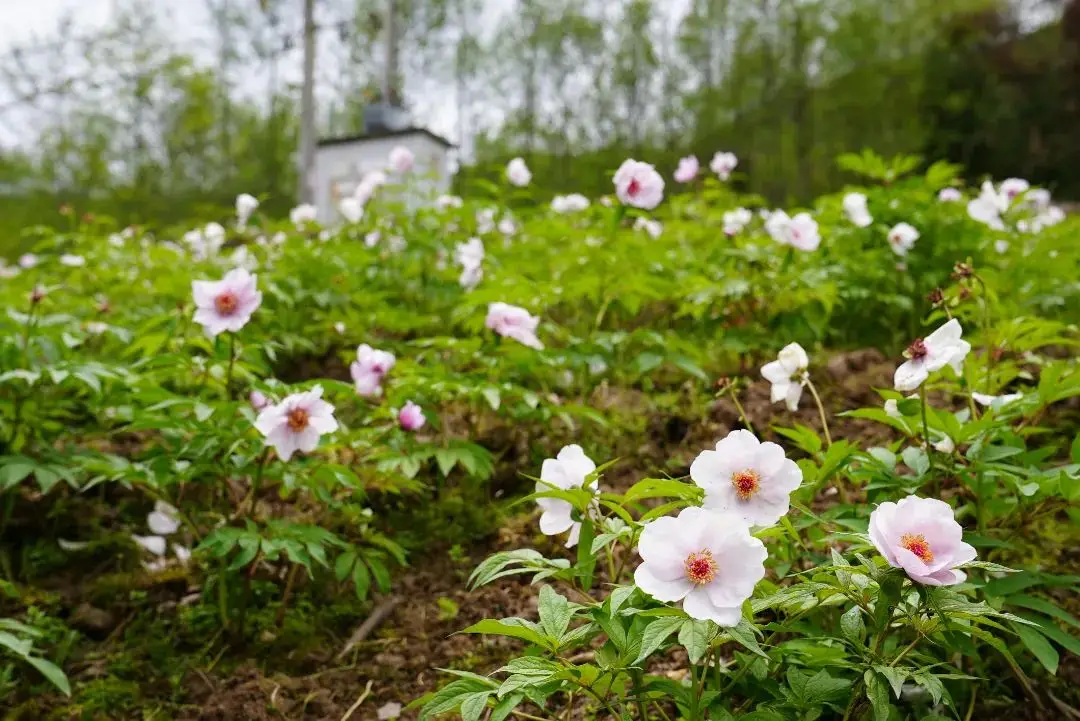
(226, 303)
(297, 419)
(917, 544)
(700, 567)
(917, 349)
(634, 187)
(746, 484)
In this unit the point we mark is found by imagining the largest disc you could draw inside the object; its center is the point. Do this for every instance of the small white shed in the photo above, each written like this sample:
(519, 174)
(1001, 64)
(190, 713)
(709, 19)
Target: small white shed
(340, 164)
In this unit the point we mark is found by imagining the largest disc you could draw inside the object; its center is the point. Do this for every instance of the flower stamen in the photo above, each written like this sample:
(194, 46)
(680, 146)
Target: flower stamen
(297, 419)
(226, 303)
(634, 187)
(917, 350)
(700, 567)
(746, 484)
(917, 544)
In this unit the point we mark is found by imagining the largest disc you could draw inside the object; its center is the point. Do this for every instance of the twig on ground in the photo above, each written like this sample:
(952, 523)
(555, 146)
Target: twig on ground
(363, 697)
(378, 615)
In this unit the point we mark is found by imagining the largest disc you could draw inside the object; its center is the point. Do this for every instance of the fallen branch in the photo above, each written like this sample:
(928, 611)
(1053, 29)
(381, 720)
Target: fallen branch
(363, 697)
(378, 615)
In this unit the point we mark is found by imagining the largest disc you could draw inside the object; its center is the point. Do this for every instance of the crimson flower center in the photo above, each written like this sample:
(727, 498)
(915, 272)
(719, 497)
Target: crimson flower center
(297, 419)
(917, 349)
(746, 484)
(634, 187)
(917, 544)
(226, 303)
(700, 567)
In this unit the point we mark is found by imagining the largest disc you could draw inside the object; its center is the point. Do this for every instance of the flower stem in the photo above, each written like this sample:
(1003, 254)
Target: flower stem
(926, 435)
(232, 360)
(742, 413)
(821, 411)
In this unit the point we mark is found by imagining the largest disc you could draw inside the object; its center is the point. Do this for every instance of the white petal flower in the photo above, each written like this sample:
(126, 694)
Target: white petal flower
(227, 304)
(351, 209)
(388, 711)
(154, 544)
(653, 227)
(707, 560)
(302, 215)
(722, 164)
(735, 220)
(926, 355)
(567, 470)
(512, 321)
(856, 210)
(788, 375)
(163, 520)
(949, 195)
(744, 476)
(902, 238)
(517, 172)
(996, 402)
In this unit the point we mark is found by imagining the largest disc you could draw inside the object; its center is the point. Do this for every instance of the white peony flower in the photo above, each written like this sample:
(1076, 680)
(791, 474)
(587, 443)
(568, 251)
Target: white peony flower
(950, 195)
(925, 355)
(902, 238)
(517, 172)
(788, 375)
(736, 220)
(351, 209)
(744, 476)
(573, 203)
(799, 232)
(653, 227)
(567, 470)
(705, 559)
(163, 519)
(302, 215)
(856, 210)
(401, 159)
(155, 544)
(722, 164)
(245, 206)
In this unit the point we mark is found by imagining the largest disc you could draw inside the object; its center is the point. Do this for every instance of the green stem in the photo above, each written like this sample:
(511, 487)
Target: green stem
(635, 676)
(903, 653)
(256, 480)
(232, 360)
(223, 596)
(742, 412)
(821, 411)
(926, 436)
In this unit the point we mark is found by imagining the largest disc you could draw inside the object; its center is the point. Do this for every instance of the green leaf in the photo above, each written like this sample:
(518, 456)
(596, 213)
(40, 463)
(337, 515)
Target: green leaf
(505, 628)
(656, 633)
(14, 472)
(344, 564)
(894, 675)
(506, 706)
(586, 559)
(852, 626)
(743, 634)
(1040, 604)
(1042, 649)
(361, 581)
(878, 693)
(695, 636)
(473, 704)
(492, 396)
(51, 672)
(555, 612)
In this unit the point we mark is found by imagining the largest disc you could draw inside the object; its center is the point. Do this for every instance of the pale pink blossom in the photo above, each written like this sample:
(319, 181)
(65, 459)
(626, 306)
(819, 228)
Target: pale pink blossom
(639, 185)
(369, 369)
(28, 260)
(401, 159)
(707, 560)
(799, 232)
(744, 476)
(568, 470)
(653, 227)
(512, 321)
(411, 417)
(227, 304)
(950, 195)
(297, 423)
(921, 536)
(723, 164)
(517, 172)
(257, 400)
(687, 170)
(1012, 188)
(737, 219)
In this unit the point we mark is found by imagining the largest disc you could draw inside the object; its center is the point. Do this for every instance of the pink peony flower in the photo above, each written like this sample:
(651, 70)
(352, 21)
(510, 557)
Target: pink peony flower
(514, 322)
(744, 476)
(687, 170)
(722, 164)
(799, 232)
(705, 559)
(297, 423)
(921, 536)
(638, 184)
(258, 400)
(226, 304)
(411, 417)
(401, 159)
(369, 368)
